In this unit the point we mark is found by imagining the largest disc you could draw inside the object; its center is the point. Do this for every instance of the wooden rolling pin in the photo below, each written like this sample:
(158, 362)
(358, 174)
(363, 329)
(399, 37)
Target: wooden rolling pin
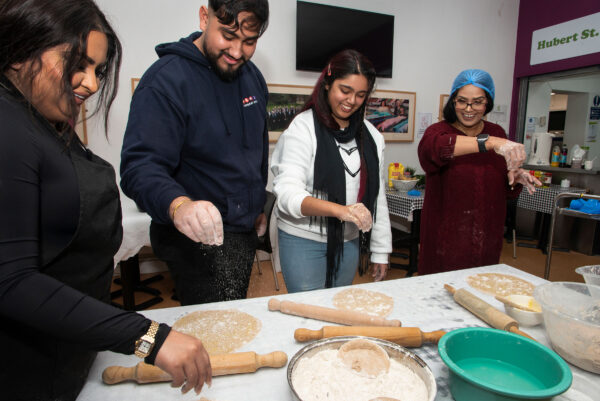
(224, 364)
(405, 336)
(485, 311)
(330, 315)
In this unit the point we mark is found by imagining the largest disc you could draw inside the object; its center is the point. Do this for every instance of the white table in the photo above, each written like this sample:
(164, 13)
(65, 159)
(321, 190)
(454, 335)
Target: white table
(136, 234)
(418, 302)
(136, 230)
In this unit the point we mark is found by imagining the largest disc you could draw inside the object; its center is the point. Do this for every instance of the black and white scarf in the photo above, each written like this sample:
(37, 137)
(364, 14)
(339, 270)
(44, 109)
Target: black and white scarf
(330, 184)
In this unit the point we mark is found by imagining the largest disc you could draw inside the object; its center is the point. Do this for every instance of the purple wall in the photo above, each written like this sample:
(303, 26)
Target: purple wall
(537, 14)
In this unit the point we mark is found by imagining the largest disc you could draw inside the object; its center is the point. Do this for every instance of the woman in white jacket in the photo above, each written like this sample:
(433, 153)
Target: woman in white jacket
(330, 193)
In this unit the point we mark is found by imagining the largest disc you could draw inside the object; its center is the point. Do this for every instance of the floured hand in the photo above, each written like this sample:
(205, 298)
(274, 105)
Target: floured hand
(200, 221)
(523, 177)
(359, 215)
(513, 152)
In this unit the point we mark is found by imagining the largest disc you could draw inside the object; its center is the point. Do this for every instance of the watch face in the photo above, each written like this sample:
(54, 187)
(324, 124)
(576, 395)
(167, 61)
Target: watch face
(144, 347)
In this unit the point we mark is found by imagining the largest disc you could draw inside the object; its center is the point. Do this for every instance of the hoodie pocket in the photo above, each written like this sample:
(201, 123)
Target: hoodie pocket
(238, 206)
(244, 207)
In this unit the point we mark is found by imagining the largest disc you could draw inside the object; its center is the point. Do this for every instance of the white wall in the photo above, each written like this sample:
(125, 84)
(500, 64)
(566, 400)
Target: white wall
(434, 40)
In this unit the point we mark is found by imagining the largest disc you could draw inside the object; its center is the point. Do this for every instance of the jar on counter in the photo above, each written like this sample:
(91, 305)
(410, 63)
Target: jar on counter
(538, 174)
(547, 179)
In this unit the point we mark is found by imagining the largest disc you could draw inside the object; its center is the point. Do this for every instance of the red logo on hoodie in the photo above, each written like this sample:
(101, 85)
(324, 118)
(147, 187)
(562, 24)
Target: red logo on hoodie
(249, 101)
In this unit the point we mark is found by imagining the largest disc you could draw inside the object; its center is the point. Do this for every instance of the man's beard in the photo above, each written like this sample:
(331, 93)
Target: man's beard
(226, 75)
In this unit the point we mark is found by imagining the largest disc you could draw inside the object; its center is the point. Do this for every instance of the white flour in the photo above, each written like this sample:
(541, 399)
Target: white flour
(324, 377)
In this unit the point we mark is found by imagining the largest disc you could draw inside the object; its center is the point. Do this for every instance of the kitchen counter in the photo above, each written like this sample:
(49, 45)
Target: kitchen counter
(418, 302)
(566, 170)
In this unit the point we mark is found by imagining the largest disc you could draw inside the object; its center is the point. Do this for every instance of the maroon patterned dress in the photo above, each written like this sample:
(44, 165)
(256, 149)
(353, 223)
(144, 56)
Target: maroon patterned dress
(462, 221)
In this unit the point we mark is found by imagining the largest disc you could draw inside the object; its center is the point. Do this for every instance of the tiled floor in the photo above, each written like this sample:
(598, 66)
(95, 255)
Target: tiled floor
(528, 259)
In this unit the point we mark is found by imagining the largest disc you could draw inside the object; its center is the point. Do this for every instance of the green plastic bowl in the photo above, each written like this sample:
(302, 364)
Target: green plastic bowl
(494, 365)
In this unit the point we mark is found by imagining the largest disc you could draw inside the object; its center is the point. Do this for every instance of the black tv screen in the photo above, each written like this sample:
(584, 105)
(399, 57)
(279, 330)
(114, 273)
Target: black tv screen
(322, 31)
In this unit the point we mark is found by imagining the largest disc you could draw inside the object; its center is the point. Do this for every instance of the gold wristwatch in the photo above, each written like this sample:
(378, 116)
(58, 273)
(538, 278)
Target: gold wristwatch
(145, 344)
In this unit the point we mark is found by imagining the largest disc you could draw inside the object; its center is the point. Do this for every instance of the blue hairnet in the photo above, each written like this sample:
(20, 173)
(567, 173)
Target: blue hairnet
(478, 78)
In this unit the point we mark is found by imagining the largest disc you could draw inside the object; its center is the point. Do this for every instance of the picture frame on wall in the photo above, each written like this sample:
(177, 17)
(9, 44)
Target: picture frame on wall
(285, 101)
(392, 111)
(443, 99)
(134, 84)
(81, 126)
(393, 114)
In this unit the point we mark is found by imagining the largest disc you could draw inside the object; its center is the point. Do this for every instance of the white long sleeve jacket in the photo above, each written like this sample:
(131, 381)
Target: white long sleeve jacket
(292, 165)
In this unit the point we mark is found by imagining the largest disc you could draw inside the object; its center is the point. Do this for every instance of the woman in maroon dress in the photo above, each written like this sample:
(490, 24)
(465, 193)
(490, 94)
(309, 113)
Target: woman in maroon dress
(472, 169)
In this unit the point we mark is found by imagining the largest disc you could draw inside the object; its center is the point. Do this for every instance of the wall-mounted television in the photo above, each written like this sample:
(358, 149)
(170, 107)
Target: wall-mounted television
(322, 31)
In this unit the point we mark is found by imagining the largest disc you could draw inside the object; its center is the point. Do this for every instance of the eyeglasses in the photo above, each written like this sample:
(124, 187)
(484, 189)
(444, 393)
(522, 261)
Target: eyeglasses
(478, 104)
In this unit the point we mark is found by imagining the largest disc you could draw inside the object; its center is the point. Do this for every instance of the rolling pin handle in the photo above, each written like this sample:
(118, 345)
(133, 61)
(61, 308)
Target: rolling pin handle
(118, 374)
(304, 335)
(274, 359)
(449, 288)
(274, 304)
(515, 329)
(433, 336)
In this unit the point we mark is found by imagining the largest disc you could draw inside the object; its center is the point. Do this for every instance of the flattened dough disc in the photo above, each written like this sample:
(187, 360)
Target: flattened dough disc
(221, 331)
(500, 284)
(359, 300)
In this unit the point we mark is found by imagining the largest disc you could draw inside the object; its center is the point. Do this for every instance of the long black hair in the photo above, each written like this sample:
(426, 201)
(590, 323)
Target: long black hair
(344, 63)
(450, 110)
(28, 28)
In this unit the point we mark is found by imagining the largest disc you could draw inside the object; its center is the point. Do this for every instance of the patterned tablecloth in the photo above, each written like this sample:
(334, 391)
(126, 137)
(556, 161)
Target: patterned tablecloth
(542, 199)
(401, 204)
(418, 302)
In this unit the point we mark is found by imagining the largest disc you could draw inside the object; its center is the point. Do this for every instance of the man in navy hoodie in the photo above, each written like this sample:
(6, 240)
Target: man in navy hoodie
(195, 152)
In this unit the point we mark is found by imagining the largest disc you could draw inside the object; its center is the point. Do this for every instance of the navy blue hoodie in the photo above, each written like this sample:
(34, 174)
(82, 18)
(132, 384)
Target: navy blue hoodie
(191, 133)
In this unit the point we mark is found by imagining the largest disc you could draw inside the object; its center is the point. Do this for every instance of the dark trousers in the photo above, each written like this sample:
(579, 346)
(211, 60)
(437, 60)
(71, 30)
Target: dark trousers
(205, 273)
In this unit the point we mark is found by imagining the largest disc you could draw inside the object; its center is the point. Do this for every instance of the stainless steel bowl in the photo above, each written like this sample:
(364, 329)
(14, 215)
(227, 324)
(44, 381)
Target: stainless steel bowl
(395, 351)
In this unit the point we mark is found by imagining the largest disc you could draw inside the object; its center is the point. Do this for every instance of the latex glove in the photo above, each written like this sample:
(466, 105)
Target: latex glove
(523, 177)
(513, 152)
(186, 360)
(260, 224)
(379, 271)
(200, 221)
(359, 215)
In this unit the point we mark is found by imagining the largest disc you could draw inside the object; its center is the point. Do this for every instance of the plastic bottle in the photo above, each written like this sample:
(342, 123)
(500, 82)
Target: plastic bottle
(395, 171)
(563, 156)
(555, 160)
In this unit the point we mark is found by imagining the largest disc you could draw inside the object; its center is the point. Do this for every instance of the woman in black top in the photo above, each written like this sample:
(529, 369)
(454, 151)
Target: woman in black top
(60, 217)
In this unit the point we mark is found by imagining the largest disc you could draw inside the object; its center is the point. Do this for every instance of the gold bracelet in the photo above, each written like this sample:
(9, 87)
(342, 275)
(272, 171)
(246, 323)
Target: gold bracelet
(177, 207)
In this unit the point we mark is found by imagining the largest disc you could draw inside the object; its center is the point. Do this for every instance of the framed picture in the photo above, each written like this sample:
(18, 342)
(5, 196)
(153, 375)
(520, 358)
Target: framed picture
(81, 126)
(284, 102)
(443, 99)
(393, 114)
(134, 84)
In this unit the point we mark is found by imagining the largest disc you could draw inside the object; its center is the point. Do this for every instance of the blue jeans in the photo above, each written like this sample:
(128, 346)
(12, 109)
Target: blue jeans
(304, 263)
